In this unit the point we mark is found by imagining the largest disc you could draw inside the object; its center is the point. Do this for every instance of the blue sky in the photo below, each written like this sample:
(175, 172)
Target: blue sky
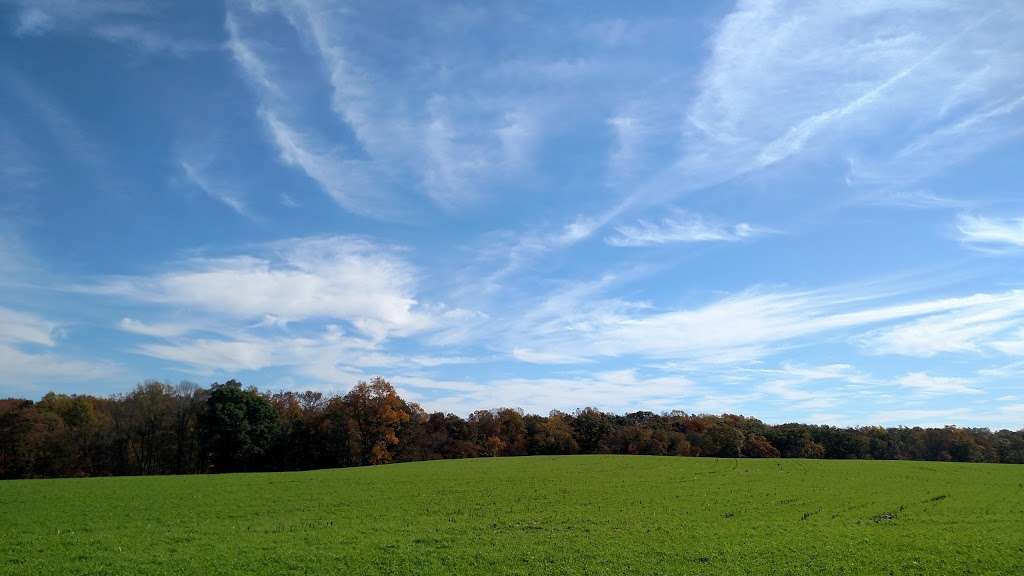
(797, 211)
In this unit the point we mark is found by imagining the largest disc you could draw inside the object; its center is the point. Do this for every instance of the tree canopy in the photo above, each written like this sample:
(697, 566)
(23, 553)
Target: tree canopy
(158, 428)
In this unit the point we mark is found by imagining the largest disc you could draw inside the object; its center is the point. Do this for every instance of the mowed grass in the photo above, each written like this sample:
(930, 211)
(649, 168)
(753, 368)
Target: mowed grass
(536, 515)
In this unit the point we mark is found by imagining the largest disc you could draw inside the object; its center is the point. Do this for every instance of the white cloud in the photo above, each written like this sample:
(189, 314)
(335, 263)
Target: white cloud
(911, 199)
(329, 357)
(618, 390)
(582, 323)
(995, 122)
(12, 255)
(795, 374)
(995, 232)
(51, 115)
(316, 355)
(506, 253)
(253, 66)
(458, 160)
(342, 278)
(353, 97)
(33, 21)
(115, 21)
(806, 388)
(922, 417)
(971, 328)
(19, 367)
(451, 164)
(925, 384)
(213, 355)
(355, 184)
(446, 138)
(1007, 416)
(148, 40)
(681, 227)
(22, 327)
(517, 133)
(442, 122)
(36, 17)
(835, 76)
(630, 134)
(18, 167)
(166, 330)
(1012, 344)
(23, 368)
(218, 192)
(1013, 370)
(349, 182)
(540, 357)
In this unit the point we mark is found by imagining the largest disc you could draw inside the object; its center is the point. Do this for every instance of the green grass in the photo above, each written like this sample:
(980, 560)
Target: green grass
(538, 515)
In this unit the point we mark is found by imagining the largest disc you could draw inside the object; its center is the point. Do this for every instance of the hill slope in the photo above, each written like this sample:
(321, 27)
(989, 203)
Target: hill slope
(536, 515)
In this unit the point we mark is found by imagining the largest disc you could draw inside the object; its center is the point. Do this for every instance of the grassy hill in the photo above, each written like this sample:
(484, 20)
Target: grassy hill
(535, 515)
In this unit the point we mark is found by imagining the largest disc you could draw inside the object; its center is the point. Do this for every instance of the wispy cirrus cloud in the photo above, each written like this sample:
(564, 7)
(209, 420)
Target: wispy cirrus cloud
(804, 387)
(45, 368)
(347, 180)
(22, 327)
(540, 357)
(353, 184)
(681, 226)
(445, 138)
(18, 168)
(997, 119)
(328, 357)
(926, 384)
(151, 40)
(994, 233)
(22, 365)
(585, 324)
(116, 21)
(619, 390)
(219, 192)
(40, 17)
(836, 75)
(54, 118)
(1012, 344)
(162, 330)
(969, 329)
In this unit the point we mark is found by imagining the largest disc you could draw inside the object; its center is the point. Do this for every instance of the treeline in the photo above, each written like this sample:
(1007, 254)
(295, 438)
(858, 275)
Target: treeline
(162, 429)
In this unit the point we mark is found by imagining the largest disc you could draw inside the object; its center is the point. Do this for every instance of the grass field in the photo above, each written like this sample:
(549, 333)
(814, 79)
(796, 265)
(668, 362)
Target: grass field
(537, 515)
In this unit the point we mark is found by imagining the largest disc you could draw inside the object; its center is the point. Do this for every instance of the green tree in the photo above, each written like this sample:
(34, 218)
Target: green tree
(591, 428)
(723, 440)
(237, 427)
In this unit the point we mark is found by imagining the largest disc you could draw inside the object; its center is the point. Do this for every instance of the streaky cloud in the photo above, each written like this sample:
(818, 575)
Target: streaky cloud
(682, 226)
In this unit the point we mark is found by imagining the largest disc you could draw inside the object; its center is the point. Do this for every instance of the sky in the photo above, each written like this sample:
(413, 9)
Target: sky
(799, 211)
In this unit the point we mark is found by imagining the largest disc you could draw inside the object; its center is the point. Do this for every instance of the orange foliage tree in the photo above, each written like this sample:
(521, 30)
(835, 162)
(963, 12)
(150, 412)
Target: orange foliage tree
(376, 414)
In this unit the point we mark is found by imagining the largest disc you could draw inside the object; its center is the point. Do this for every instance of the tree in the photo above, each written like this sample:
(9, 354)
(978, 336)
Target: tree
(512, 430)
(150, 411)
(795, 441)
(723, 440)
(237, 427)
(189, 402)
(376, 415)
(487, 432)
(72, 434)
(157, 428)
(591, 428)
(553, 435)
(22, 433)
(757, 446)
